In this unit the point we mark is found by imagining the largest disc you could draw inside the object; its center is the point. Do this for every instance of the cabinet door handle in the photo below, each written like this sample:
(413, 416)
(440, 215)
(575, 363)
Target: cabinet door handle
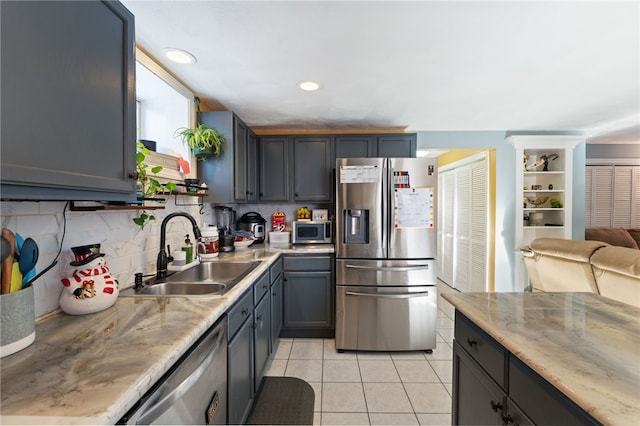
(472, 342)
(133, 175)
(507, 419)
(259, 317)
(245, 311)
(265, 286)
(496, 405)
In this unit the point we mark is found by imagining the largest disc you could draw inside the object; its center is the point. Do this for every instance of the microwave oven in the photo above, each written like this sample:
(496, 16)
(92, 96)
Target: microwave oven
(312, 232)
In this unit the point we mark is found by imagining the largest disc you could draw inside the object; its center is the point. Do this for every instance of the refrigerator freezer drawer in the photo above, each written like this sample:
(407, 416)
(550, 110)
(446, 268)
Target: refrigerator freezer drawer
(386, 318)
(386, 272)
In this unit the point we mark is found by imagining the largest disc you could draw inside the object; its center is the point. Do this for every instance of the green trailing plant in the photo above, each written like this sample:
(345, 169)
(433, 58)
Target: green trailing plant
(148, 186)
(203, 141)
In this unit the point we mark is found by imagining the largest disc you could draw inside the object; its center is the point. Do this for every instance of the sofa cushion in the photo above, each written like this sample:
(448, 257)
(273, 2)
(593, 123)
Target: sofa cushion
(614, 236)
(576, 250)
(558, 265)
(617, 273)
(635, 234)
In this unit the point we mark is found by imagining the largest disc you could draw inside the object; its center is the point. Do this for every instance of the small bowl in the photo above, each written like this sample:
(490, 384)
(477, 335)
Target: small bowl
(537, 201)
(241, 245)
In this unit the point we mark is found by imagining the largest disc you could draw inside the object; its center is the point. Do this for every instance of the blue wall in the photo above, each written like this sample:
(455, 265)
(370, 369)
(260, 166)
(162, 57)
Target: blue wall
(505, 190)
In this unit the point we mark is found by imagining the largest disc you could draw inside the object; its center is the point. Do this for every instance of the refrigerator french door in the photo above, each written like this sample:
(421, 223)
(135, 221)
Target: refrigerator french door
(386, 295)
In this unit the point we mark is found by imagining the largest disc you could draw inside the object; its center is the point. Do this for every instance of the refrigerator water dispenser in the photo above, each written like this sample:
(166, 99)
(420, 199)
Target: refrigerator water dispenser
(356, 230)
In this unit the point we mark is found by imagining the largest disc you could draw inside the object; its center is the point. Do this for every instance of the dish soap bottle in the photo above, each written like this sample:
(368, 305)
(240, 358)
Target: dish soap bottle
(188, 247)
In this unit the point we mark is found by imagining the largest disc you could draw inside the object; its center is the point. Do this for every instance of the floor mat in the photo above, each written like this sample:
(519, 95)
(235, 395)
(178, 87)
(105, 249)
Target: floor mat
(283, 401)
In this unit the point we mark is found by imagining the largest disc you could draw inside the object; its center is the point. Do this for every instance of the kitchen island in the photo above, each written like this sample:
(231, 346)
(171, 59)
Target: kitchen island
(576, 345)
(91, 369)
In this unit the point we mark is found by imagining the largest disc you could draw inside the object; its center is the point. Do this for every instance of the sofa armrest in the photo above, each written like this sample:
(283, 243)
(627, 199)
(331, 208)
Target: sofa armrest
(617, 273)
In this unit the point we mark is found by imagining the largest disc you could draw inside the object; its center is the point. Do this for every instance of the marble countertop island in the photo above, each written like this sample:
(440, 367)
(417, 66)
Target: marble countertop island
(585, 345)
(91, 369)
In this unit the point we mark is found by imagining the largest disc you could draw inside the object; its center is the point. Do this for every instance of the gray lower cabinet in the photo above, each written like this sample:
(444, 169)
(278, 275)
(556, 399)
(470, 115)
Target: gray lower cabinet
(261, 328)
(309, 296)
(240, 359)
(386, 145)
(254, 327)
(277, 313)
(68, 101)
(491, 386)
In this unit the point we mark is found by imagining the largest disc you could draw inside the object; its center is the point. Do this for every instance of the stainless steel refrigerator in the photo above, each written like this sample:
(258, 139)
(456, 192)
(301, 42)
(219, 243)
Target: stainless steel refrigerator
(386, 295)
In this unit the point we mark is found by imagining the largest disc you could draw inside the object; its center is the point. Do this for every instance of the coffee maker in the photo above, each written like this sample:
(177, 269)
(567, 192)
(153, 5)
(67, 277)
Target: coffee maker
(225, 220)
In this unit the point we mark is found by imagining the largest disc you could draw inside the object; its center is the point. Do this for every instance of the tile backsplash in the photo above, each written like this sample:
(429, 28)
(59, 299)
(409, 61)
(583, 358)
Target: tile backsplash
(128, 248)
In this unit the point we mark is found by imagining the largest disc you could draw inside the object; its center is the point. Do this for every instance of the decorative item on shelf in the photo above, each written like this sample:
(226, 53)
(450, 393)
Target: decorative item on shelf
(542, 161)
(536, 219)
(536, 201)
(148, 186)
(555, 203)
(91, 288)
(192, 185)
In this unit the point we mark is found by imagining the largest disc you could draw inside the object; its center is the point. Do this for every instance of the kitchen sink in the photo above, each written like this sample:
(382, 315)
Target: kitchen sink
(205, 279)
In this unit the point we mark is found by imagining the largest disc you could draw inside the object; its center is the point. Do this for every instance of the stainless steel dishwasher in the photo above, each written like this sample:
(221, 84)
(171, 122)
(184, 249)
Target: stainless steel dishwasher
(194, 391)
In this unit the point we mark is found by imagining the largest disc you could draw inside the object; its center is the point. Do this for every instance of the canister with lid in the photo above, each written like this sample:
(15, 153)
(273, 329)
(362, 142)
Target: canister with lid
(208, 243)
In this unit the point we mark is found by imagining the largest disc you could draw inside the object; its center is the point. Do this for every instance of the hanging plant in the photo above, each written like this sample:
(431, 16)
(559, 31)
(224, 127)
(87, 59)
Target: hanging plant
(148, 186)
(203, 141)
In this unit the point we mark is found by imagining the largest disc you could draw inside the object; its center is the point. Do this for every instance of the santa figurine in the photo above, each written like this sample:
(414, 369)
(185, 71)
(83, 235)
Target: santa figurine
(91, 288)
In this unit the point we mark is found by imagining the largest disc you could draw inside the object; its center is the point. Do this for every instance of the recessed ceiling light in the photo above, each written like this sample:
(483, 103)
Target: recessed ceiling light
(179, 56)
(308, 86)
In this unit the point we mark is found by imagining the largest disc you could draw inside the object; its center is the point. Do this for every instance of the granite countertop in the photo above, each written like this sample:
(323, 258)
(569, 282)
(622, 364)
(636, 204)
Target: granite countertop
(584, 344)
(91, 369)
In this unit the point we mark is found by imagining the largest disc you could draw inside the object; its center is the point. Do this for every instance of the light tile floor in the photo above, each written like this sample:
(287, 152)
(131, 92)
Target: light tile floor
(374, 388)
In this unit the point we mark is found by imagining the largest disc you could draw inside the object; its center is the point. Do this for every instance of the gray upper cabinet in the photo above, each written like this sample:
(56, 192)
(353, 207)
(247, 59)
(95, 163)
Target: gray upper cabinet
(274, 168)
(385, 145)
(296, 168)
(231, 176)
(68, 101)
(313, 163)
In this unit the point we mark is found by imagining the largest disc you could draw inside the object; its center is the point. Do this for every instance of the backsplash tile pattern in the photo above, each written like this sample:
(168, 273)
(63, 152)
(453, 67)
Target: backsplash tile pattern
(128, 248)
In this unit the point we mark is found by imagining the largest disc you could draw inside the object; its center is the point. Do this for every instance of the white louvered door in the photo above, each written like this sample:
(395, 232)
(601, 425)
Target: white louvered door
(463, 218)
(612, 196)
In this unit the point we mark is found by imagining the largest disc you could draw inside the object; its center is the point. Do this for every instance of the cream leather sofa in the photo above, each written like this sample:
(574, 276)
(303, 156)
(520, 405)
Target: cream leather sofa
(558, 265)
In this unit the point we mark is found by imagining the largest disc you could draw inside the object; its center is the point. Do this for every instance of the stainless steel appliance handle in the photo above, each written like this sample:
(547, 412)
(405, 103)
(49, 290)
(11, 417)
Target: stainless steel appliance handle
(155, 411)
(389, 295)
(390, 195)
(390, 268)
(385, 207)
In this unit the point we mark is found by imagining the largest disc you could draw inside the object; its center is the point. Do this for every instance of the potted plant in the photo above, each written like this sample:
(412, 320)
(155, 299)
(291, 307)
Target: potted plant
(149, 187)
(203, 141)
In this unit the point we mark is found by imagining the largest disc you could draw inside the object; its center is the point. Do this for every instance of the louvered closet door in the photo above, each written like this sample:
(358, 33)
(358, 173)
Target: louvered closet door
(601, 196)
(463, 190)
(446, 221)
(623, 196)
(612, 197)
(479, 219)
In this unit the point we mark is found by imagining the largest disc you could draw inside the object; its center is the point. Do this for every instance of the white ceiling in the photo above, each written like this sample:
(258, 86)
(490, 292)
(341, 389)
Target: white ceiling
(417, 65)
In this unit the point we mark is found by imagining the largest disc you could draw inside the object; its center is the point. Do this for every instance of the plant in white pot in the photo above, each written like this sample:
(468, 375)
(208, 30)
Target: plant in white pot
(203, 141)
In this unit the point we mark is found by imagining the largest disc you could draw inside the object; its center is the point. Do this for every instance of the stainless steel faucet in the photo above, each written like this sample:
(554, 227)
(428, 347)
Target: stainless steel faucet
(161, 269)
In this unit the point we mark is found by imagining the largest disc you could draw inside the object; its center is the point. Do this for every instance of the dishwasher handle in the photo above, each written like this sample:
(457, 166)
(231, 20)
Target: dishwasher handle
(149, 415)
(389, 295)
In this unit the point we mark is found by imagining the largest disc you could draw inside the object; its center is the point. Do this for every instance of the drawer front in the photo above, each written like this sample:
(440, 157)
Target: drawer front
(483, 348)
(307, 263)
(276, 269)
(240, 312)
(541, 401)
(260, 288)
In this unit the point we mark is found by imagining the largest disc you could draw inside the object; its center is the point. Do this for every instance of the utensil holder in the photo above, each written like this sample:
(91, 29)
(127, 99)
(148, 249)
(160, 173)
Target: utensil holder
(17, 321)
